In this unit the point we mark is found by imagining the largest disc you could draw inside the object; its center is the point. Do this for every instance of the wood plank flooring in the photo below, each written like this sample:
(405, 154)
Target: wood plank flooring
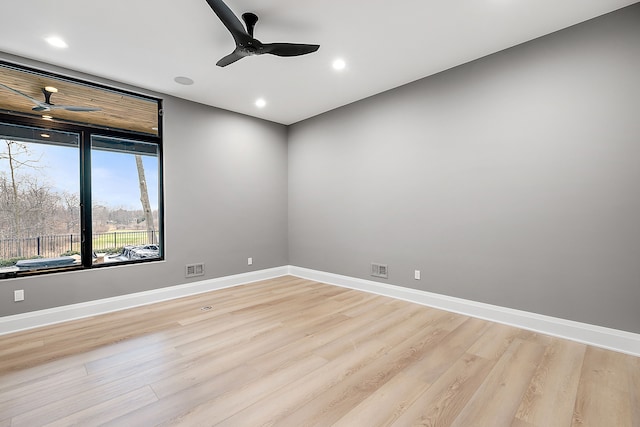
(292, 352)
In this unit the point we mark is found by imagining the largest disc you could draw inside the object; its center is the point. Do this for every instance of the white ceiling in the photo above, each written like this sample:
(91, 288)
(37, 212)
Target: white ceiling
(147, 43)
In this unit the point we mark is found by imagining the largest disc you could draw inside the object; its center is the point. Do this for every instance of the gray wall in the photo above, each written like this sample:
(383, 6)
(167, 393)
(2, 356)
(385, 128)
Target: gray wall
(225, 201)
(513, 180)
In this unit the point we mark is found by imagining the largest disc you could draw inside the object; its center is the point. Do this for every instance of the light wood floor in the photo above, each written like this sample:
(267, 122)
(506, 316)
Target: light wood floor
(291, 352)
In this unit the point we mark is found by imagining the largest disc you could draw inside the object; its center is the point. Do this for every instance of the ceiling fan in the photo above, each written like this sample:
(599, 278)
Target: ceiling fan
(46, 105)
(246, 45)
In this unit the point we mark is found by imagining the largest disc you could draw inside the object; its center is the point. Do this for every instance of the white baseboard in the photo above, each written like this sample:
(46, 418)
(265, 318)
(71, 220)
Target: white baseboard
(611, 339)
(20, 322)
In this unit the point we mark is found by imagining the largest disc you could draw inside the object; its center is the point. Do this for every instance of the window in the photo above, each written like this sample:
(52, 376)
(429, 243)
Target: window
(124, 183)
(39, 198)
(76, 192)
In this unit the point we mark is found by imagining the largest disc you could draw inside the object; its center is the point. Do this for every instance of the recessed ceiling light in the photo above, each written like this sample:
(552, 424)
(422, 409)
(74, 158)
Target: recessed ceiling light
(56, 42)
(51, 89)
(339, 64)
(261, 103)
(183, 80)
(45, 135)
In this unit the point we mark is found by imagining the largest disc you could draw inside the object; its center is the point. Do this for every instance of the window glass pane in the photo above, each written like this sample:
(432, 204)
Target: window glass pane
(125, 199)
(39, 199)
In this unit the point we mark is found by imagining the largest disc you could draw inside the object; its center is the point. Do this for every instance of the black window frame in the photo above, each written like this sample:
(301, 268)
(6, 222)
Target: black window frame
(85, 133)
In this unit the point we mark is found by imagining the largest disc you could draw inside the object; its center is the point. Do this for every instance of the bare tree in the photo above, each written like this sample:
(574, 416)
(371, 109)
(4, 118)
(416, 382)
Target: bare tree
(39, 206)
(70, 211)
(144, 199)
(18, 156)
(6, 207)
(100, 218)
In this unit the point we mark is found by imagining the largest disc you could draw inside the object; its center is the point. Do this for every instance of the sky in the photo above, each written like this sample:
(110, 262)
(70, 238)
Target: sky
(114, 175)
(114, 179)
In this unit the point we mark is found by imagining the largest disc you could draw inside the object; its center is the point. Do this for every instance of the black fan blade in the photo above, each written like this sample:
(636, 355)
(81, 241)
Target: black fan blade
(42, 108)
(230, 20)
(231, 58)
(48, 105)
(250, 20)
(74, 108)
(33, 100)
(289, 49)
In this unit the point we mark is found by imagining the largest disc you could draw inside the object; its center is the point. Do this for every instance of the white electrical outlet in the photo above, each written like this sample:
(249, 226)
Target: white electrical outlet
(416, 274)
(18, 295)
(249, 261)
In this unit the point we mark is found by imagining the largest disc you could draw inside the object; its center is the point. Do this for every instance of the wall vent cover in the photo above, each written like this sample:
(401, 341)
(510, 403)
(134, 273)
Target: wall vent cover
(379, 270)
(193, 270)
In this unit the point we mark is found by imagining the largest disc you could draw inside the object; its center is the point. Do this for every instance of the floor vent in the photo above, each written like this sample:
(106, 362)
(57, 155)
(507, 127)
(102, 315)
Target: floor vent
(379, 270)
(193, 270)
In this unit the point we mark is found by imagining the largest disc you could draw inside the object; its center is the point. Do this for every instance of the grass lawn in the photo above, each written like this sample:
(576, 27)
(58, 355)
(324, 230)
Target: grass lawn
(112, 240)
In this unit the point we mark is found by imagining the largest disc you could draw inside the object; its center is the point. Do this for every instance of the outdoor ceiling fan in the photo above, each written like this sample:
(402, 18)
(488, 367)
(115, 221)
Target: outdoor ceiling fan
(246, 45)
(46, 105)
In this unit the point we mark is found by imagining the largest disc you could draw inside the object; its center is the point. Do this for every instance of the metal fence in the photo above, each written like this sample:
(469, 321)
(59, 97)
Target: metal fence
(51, 246)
